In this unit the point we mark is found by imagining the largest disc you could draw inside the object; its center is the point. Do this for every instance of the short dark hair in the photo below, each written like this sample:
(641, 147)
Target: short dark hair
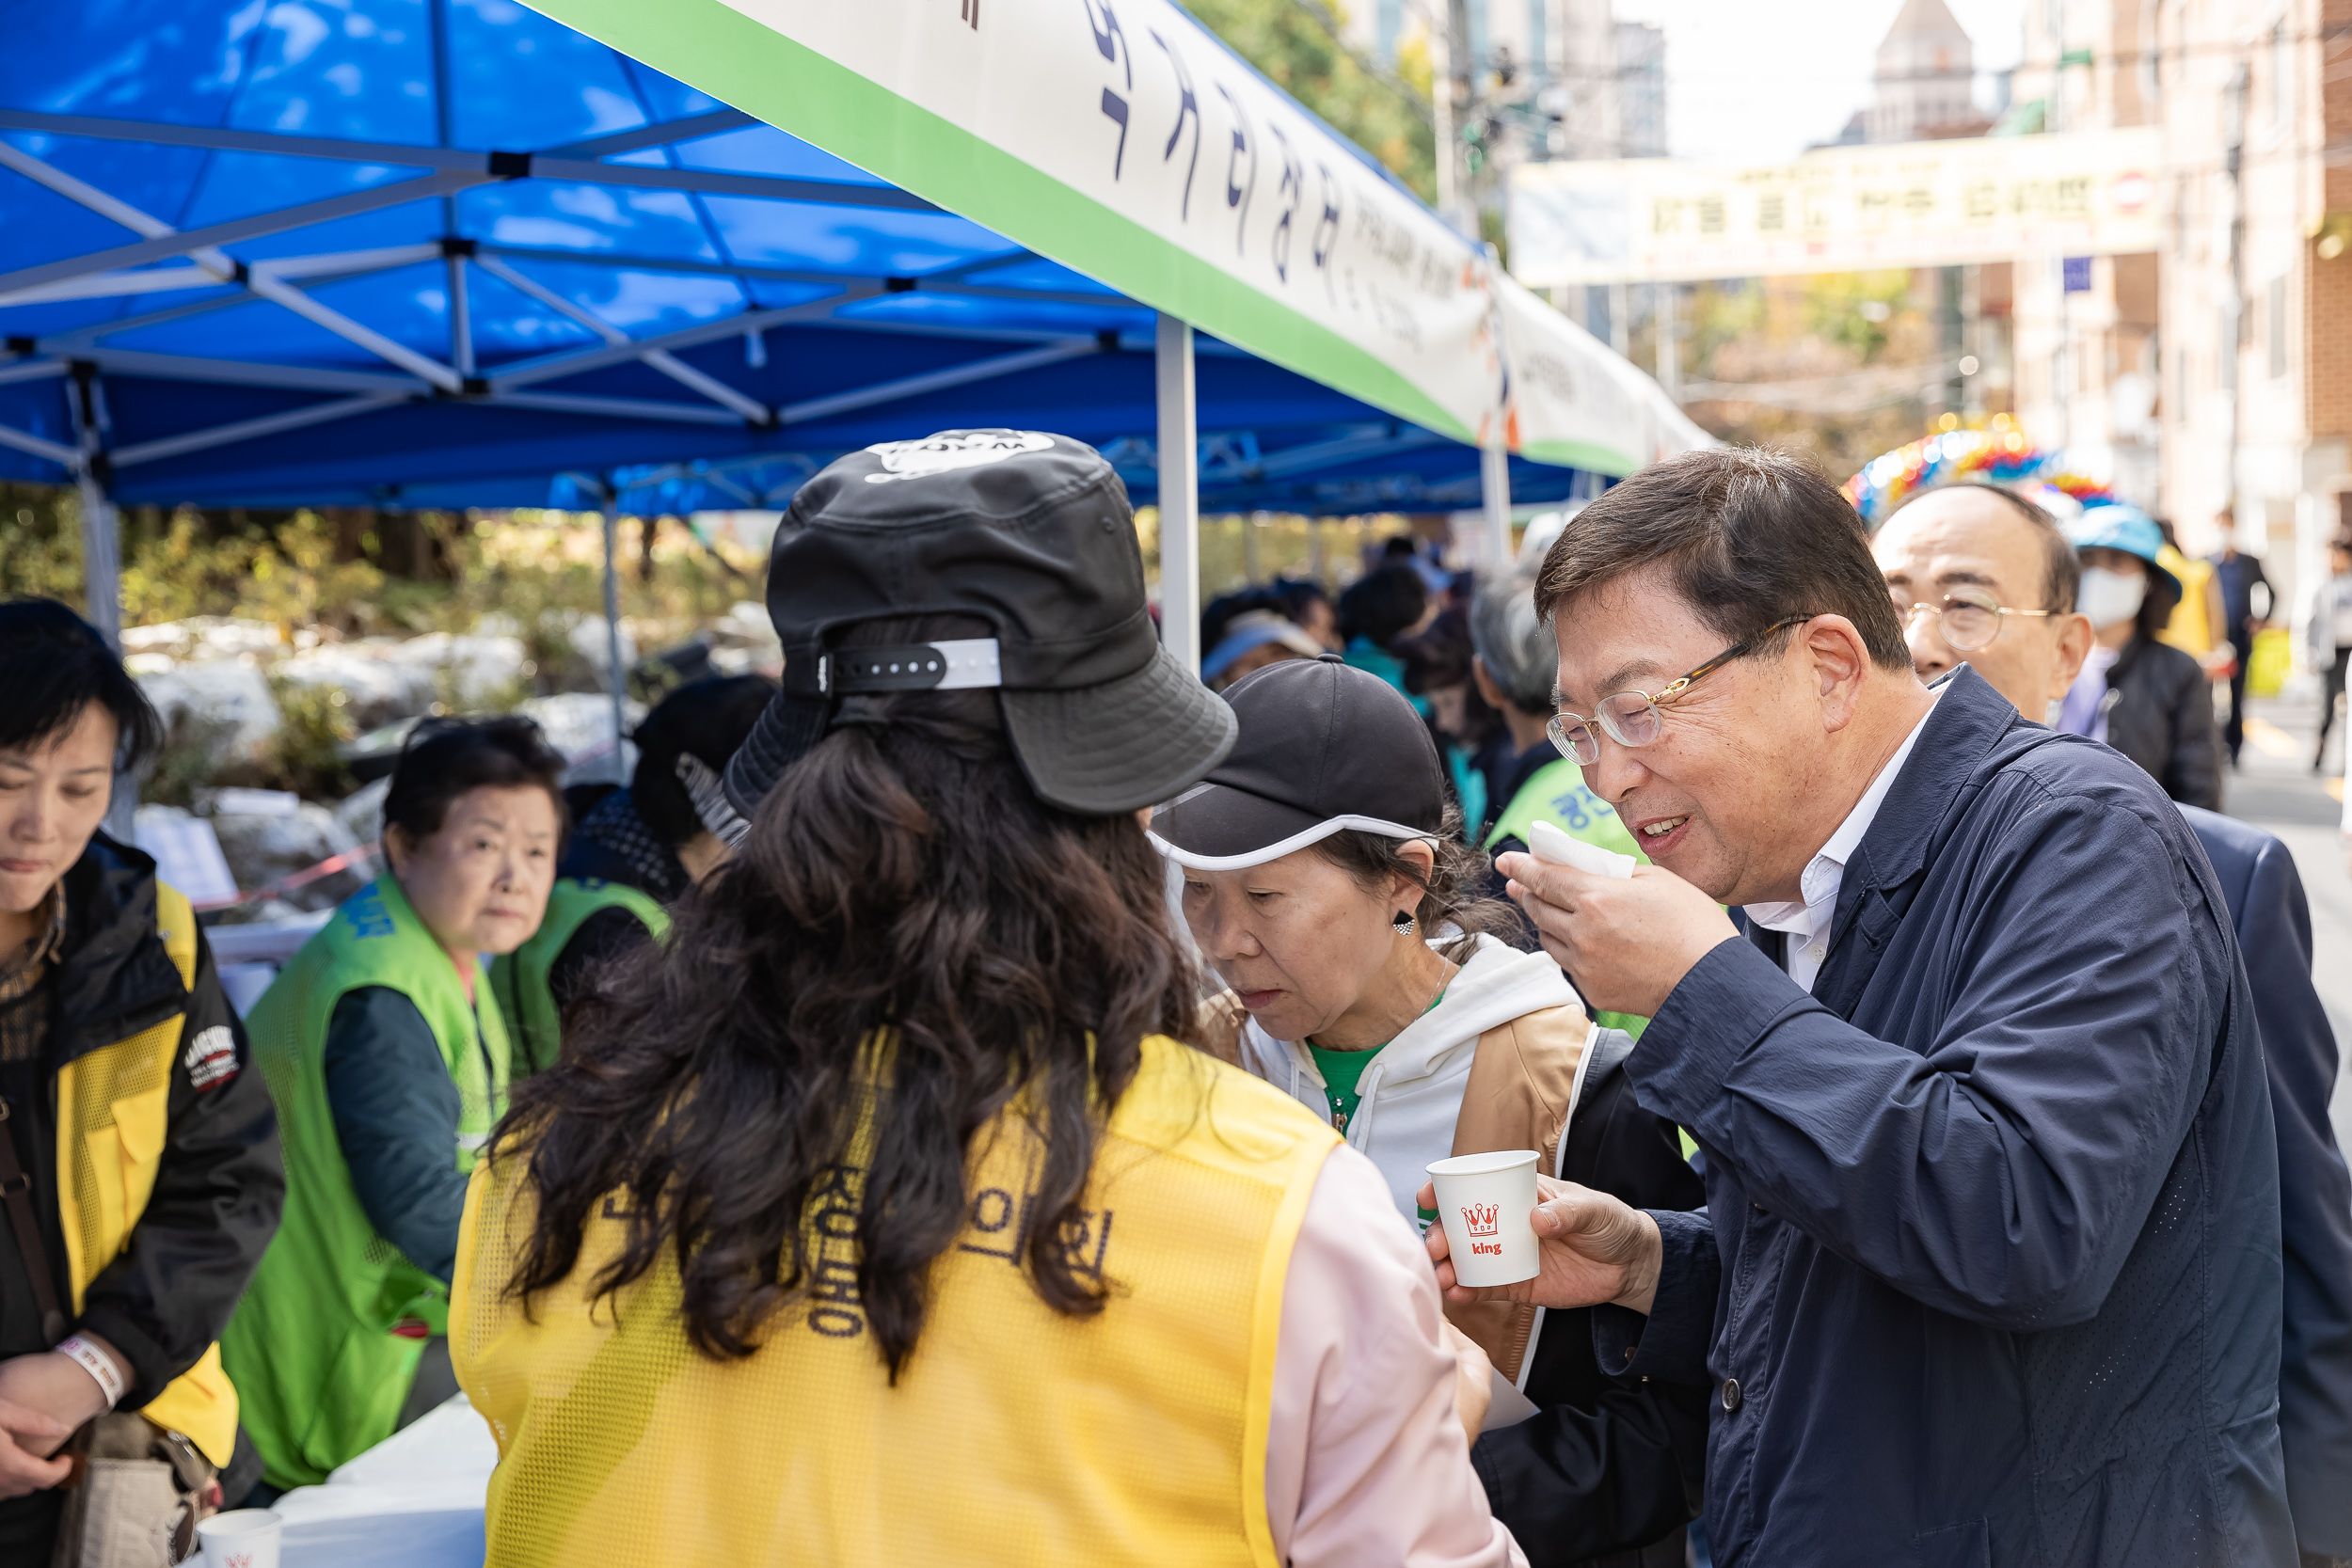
(1382, 604)
(53, 666)
(1296, 595)
(1440, 657)
(443, 758)
(1747, 536)
(2061, 570)
(707, 719)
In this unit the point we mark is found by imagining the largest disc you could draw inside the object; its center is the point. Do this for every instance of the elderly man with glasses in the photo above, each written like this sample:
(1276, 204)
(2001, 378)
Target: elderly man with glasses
(1981, 575)
(1990, 1269)
(1972, 546)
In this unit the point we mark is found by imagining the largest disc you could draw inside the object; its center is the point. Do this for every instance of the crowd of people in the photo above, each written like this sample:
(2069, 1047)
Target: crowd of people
(973, 1098)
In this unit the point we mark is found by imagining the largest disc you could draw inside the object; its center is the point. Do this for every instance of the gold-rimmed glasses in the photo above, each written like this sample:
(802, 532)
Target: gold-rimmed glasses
(1631, 717)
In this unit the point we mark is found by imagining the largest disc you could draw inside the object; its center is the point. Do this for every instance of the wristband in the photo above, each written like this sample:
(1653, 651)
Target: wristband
(96, 1362)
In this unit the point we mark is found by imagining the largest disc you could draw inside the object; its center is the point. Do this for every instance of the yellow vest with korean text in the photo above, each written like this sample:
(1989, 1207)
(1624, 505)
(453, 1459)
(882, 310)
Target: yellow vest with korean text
(113, 1112)
(1015, 1435)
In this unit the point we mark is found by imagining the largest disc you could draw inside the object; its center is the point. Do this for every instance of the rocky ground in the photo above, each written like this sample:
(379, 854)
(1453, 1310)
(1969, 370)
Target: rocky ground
(248, 704)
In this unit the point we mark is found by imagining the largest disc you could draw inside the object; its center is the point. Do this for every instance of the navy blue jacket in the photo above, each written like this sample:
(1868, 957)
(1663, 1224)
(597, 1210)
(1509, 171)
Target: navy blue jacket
(1989, 1273)
(2274, 933)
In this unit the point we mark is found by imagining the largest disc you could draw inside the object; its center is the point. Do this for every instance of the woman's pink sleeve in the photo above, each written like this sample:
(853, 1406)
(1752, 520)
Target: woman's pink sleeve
(1366, 1463)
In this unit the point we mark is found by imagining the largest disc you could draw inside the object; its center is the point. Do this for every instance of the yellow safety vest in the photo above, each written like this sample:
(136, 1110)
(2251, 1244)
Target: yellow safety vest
(112, 1118)
(1014, 1435)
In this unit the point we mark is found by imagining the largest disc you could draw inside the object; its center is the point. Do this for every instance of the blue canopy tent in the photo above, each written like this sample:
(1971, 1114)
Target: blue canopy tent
(447, 253)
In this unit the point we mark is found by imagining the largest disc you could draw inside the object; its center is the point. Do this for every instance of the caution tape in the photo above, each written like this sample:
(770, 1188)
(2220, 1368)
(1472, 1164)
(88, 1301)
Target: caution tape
(293, 880)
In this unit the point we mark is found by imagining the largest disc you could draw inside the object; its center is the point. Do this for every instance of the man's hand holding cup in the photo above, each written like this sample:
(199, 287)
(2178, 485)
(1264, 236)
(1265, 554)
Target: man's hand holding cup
(1626, 941)
(1589, 1248)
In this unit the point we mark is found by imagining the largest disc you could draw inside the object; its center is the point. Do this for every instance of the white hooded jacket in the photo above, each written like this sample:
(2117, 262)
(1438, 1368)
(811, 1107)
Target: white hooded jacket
(1411, 1089)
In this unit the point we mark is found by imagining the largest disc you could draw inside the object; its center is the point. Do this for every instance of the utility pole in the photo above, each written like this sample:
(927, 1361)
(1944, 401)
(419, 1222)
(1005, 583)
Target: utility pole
(2062, 358)
(1441, 120)
(1669, 340)
(2233, 308)
(1457, 202)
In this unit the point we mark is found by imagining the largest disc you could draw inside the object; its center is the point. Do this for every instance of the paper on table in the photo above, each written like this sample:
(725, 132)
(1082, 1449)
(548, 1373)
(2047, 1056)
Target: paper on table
(1549, 843)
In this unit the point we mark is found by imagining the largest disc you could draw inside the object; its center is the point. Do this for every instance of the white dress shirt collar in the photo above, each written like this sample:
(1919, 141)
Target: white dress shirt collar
(1807, 921)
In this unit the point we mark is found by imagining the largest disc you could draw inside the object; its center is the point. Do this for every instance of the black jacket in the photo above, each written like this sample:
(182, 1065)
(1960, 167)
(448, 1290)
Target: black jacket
(1603, 1467)
(2160, 715)
(2274, 933)
(220, 1186)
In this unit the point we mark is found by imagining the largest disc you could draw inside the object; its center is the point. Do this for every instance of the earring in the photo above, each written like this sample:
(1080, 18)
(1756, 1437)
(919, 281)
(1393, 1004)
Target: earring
(1403, 921)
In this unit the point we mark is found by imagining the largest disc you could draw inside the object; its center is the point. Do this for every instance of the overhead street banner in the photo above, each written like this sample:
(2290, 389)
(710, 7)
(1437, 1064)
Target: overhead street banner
(1846, 209)
(1120, 139)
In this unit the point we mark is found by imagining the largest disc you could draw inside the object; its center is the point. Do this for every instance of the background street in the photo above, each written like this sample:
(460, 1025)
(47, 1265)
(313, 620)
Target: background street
(2275, 790)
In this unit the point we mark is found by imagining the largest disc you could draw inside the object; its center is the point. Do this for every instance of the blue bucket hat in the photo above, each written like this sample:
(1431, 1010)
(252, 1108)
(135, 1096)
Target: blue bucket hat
(2117, 526)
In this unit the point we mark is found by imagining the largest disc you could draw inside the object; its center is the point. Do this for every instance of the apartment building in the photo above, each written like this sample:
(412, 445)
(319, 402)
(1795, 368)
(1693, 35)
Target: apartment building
(2256, 291)
(2085, 341)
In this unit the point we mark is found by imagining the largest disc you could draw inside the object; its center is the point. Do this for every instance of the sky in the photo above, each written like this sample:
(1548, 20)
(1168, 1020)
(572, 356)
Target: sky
(1750, 80)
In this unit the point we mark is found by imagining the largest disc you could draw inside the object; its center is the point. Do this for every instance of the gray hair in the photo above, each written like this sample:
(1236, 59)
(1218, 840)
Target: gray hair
(1514, 641)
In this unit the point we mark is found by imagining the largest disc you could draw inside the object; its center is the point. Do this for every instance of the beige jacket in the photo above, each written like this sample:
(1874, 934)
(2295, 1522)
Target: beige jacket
(1505, 1079)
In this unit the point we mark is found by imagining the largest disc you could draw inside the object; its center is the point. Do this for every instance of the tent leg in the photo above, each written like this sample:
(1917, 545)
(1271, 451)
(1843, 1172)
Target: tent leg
(460, 317)
(101, 598)
(102, 561)
(1494, 471)
(1180, 495)
(617, 675)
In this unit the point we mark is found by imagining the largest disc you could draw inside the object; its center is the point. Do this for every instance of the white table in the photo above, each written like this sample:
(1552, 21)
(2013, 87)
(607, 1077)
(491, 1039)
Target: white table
(412, 1501)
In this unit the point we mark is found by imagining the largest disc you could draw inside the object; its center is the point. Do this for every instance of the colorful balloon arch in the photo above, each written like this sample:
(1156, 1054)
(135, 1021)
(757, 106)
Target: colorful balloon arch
(2000, 455)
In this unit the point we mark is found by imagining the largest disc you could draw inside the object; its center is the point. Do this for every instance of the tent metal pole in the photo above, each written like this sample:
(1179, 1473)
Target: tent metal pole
(1494, 473)
(102, 547)
(460, 317)
(618, 677)
(1179, 494)
(102, 557)
(101, 598)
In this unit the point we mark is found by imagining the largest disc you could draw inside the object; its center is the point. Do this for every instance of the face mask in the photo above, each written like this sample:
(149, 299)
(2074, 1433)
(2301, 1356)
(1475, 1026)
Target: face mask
(2108, 597)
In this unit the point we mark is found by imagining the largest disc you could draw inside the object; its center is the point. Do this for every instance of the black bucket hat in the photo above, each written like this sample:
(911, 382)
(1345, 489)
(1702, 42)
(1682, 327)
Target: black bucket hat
(1325, 747)
(1028, 532)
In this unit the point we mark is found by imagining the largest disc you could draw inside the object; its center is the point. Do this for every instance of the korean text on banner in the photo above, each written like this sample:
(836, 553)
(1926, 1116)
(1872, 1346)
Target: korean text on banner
(1120, 139)
(1910, 204)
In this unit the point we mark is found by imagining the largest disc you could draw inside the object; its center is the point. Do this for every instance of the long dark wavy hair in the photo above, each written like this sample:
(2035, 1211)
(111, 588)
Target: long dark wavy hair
(906, 917)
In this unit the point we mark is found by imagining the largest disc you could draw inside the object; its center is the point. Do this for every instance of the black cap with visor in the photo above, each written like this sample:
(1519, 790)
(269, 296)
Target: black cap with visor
(1028, 532)
(1324, 747)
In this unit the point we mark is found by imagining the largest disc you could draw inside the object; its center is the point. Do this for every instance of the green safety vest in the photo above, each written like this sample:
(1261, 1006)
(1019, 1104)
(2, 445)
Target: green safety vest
(325, 1343)
(1557, 794)
(520, 978)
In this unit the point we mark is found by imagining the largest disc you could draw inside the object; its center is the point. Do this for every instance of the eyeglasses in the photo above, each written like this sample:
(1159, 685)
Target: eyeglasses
(1969, 620)
(1631, 717)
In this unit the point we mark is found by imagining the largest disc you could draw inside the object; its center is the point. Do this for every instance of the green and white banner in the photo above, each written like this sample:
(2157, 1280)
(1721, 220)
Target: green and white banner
(1118, 138)
(1575, 401)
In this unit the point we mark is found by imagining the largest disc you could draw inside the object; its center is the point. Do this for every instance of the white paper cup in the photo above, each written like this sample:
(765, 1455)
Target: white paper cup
(241, 1538)
(1483, 1201)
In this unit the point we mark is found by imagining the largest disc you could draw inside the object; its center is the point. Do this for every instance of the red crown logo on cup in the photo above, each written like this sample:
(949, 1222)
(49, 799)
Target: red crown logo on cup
(1480, 1217)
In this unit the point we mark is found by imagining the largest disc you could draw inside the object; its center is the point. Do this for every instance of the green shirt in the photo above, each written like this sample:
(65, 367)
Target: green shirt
(1342, 1071)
